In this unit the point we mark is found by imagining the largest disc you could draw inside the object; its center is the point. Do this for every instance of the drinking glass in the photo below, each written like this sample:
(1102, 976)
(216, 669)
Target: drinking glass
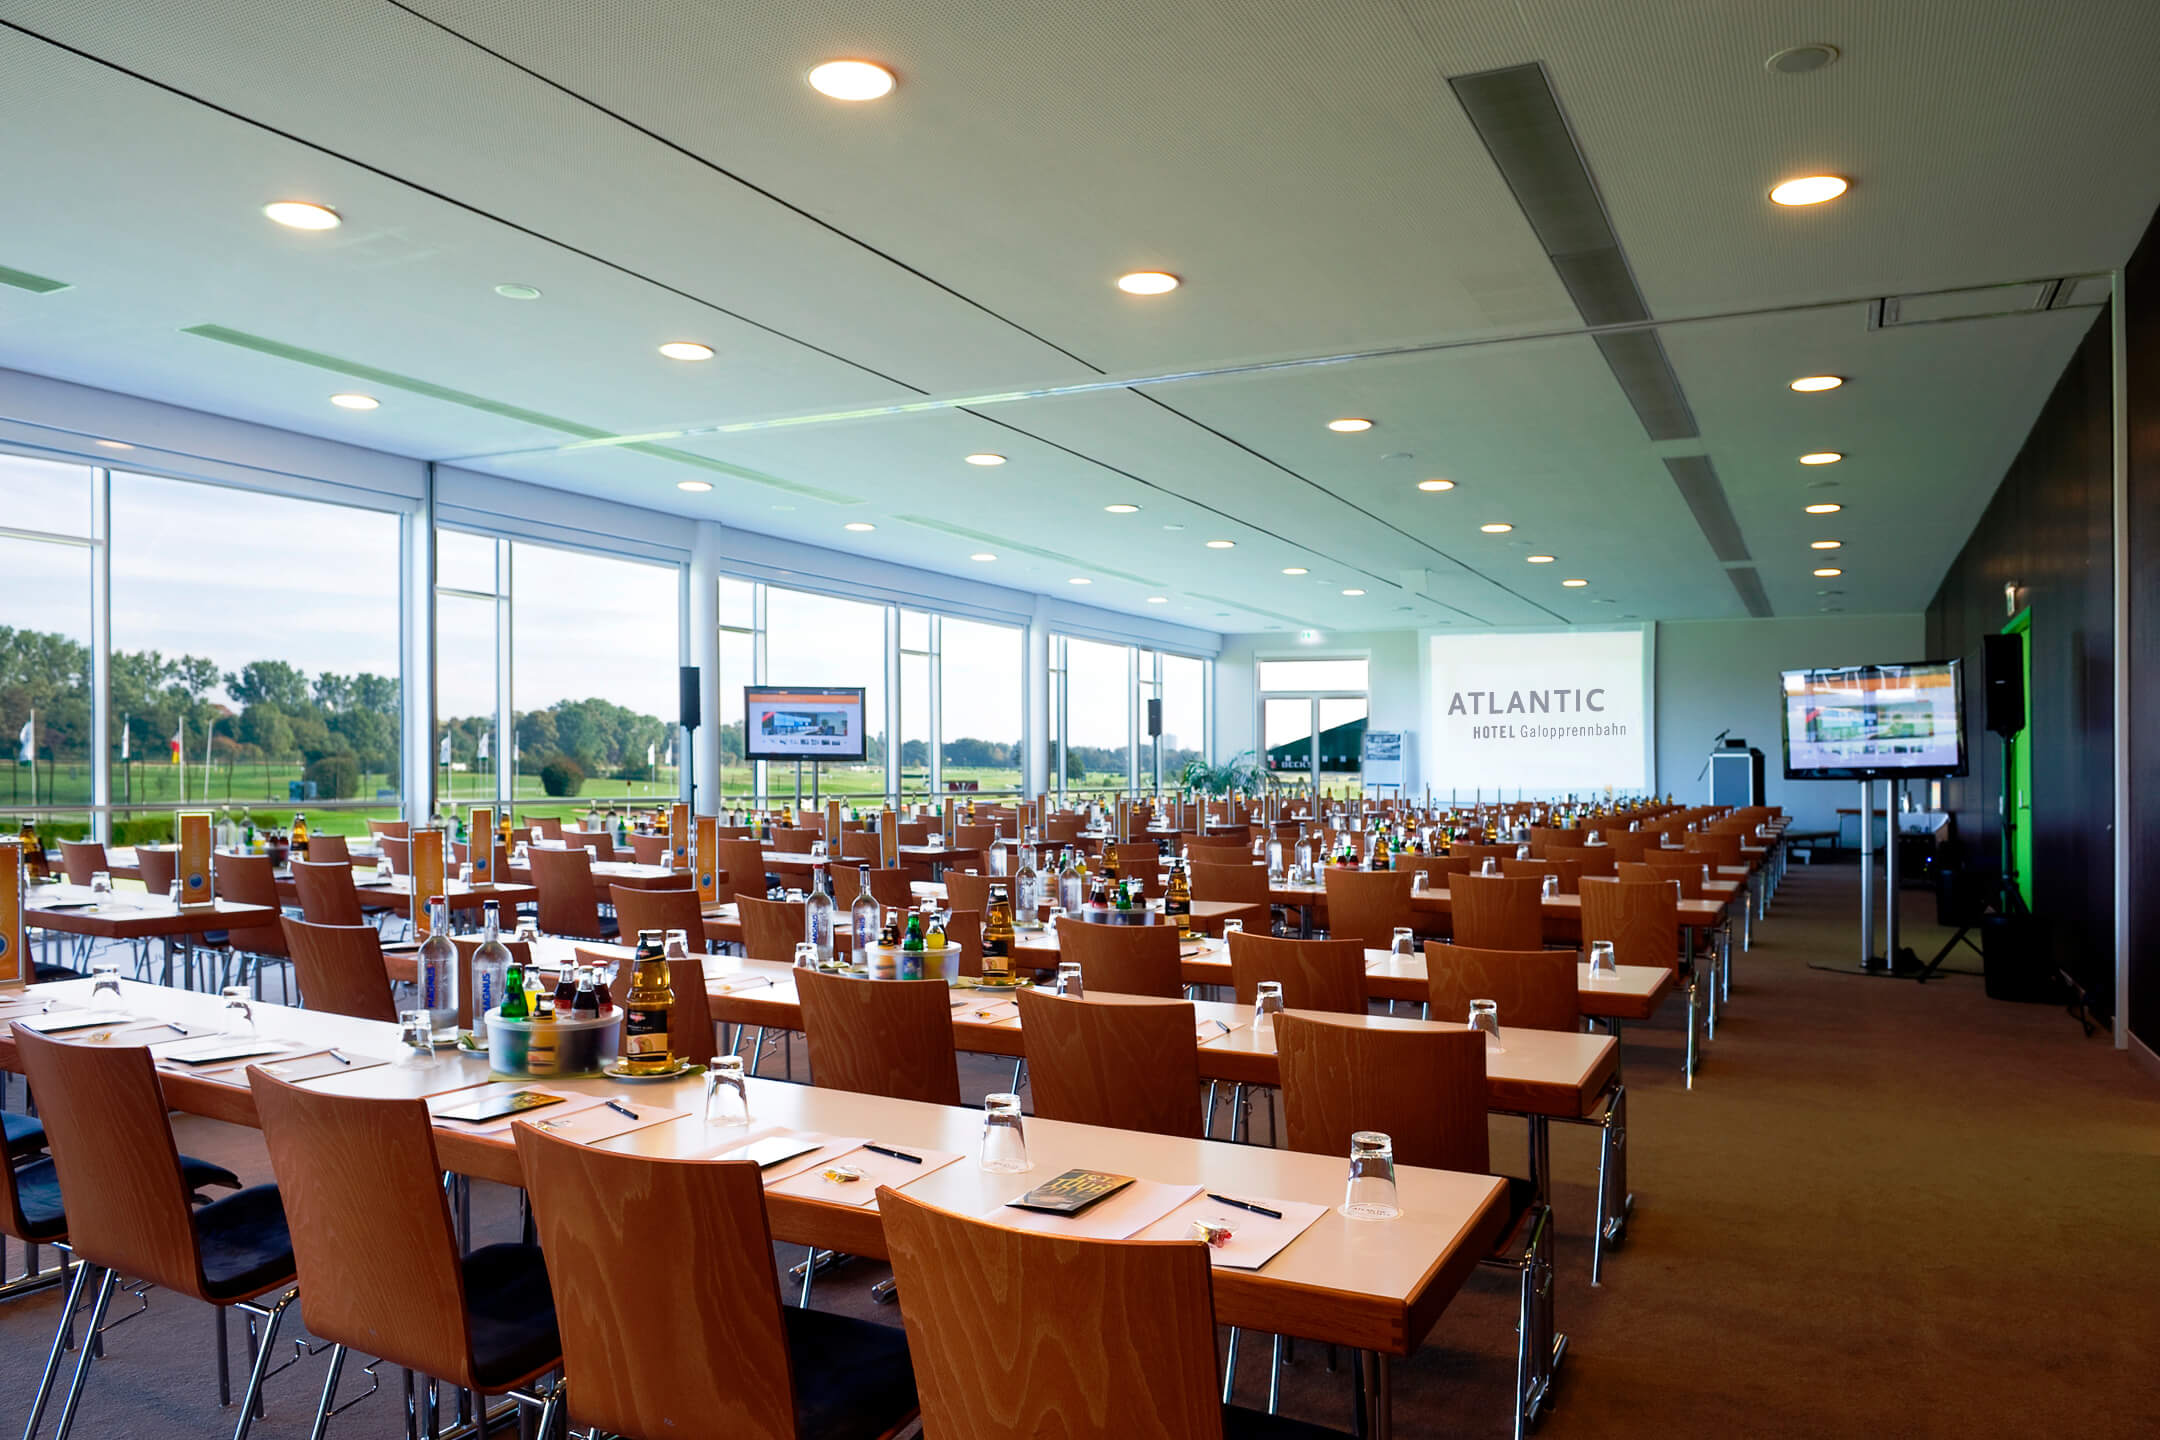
(1522, 852)
(1267, 1004)
(727, 1098)
(1402, 942)
(1232, 927)
(239, 1018)
(1370, 1195)
(104, 985)
(1004, 1144)
(1597, 837)
(416, 1037)
(1485, 1016)
(464, 872)
(1068, 978)
(1551, 887)
(937, 840)
(1419, 881)
(385, 872)
(818, 850)
(806, 957)
(100, 882)
(1490, 867)
(1602, 964)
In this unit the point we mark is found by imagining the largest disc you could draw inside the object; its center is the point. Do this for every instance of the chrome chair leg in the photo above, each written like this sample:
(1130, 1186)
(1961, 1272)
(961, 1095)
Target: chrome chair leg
(1274, 1376)
(329, 1393)
(89, 1349)
(1614, 1202)
(60, 1340)
(252, 1400)
(1229, 1370)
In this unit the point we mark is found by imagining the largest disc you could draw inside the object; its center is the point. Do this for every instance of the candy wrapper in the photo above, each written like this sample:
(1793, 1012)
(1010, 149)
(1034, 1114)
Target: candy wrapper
(1215, 1233)
(842, 1174)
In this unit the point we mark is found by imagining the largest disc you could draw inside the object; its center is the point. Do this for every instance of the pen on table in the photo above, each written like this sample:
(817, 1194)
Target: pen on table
(896, 1154)
(621, 1109)
(178, 1029)
(1222, 1025)
(1245, 1205)
(342, 1060)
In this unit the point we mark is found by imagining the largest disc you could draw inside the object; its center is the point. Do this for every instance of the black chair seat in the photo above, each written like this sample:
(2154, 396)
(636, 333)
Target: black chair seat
(245, 1245)
(37, 1189)
(853, 1377)
(48, 974)
(510, 1314)
(1238, 1423)
(25, 1134)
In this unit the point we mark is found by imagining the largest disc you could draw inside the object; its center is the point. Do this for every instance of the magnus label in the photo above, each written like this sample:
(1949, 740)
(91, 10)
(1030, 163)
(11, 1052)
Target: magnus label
(1526, 702)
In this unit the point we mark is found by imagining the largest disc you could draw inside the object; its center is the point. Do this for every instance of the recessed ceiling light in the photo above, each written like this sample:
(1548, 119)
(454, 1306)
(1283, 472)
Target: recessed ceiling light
(1801, 59)
(695, 487)
(1825, 544)
(1158, 599)
(1349, 425)
(1122, 509)
(1353, 593)
(116, 444)
(1080, 580)
(1821, 457)
(983, 556)
(860, 527)
(1148, 282)
(354, 402)
(303, 215)
(1222, 544)
(1828, 572)
(1295, 570)
(518, 292)
(1810, 384)
(851, 80)
(1539, 559)
(1574, 584)
(1435, 484)
(1824, 508)
(1809, 190)
(985, 457)
(686, 350)
(1498, 527)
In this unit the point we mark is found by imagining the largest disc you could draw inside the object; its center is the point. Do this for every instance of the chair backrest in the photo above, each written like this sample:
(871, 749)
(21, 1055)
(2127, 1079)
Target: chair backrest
(340, 969)
(743, 862)
(1569, 871)
(671, 909)
(160, 866)
(81, 859)
(371, 1232)
(966, 890)
(880, 1037)
(1725, 846)
(1477, 855)
(402, 829)
(1629, 845)
(1123, 959)
(915, 832)
(1237, 882)
(973, 837)
(1314, 974)
(1497, 912)
(1686, 871)
(327, 893)
(1019, 1334)
(398, 849)
(1423, 1086)
(1140, 862)
(113, 1153)
(1116, 1060)
(1595, 860)
(329, 848)
(696, 1347)
(795, 842)
(690, 1023)
(251, 880)
(568, 903)
(963, 928)
(649, 849)
(549, 826)
(1641, 921)
(1063, 829)
(772, 928)
(1535, 989)
(599, 844)
(861, 847)
(1368, 905)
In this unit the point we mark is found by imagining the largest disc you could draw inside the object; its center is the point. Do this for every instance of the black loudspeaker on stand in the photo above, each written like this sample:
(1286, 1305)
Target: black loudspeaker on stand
(691, 714)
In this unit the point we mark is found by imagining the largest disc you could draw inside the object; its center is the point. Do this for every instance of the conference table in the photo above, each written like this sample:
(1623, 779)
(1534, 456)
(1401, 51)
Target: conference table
(1374, 1287)
(377, 892)
(79, 910)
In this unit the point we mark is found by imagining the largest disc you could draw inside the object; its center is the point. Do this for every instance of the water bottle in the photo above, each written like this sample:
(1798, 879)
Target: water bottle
(438, 967)
(818, 918)
(491, 962)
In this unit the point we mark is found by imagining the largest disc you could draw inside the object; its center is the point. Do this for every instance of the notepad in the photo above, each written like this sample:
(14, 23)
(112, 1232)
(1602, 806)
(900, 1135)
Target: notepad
(495, 1107)
(223, 1047)
(60, 1021)
(1072, 1192)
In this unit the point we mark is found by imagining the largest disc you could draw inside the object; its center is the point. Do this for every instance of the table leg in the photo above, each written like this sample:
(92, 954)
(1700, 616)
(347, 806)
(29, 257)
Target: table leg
(1379, 1396)
(1540, 1147)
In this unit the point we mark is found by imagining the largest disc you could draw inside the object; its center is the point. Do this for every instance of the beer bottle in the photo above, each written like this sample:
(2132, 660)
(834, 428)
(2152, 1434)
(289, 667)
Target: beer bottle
(584, 1000)
(1177, 901)
(299, 833)
(646, 1007)
(998, 937)
(1110, 860)
(566, 990)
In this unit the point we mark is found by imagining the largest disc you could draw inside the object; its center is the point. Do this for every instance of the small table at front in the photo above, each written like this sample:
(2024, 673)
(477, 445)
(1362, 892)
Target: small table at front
(75, 910)
(1375, 1288)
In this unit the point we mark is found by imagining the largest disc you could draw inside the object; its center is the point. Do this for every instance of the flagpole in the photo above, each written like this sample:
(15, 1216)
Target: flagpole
(33, 759)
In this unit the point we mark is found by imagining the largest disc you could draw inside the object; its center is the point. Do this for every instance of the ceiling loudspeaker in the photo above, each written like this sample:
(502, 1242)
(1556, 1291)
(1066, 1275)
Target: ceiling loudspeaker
(1801, 59)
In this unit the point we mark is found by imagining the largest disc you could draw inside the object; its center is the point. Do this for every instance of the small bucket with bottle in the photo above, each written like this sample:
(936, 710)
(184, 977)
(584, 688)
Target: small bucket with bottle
(560, 1046)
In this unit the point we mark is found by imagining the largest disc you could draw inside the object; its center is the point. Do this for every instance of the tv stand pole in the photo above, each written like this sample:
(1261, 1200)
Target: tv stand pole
(1891, 790)
(1867, 875)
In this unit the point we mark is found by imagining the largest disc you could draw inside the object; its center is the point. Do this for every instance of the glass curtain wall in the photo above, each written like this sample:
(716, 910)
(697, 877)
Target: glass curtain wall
(1312, 720)
(1099, 694)
(982, 705)
(48, 550)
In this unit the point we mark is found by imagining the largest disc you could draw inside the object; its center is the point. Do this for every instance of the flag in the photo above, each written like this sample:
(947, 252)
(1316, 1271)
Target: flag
(123, 739)
(669, 758)
(650, 761)
(28, 737)
(485, 737)
(445, 749)
(177, 742)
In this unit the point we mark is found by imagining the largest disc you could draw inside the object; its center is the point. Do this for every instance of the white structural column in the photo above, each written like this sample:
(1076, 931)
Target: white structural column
(1035, 773)
(703, 633)
(417, 631)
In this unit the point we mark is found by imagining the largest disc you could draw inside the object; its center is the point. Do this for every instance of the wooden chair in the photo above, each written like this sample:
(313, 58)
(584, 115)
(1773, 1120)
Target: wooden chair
(1596, 860)
(1314, 974)
(1424, 1088)
(690, 1022)
(974, 837)
(1017, 1335)
(1641, 920)
(700, 1346)
(1368, 905)
(549, 826)
(795, 842)
(649, 849)
(380, 1258)
(638, 910)
(340, 969)
(160, 865)
(327, 893)
(916, 832)
(129, 1209)
(398, 849)
(1123, 959)
(963, 928)
(1722, 847)
(743, 863)
(251, 880)
(1496, 912)
(1140, 862)
(568, 903)
(1535, 989)
(1629, 845)
(1686, 871)
(1241, 884)
(80, 859)
(329, 849)
(402, 829)
(772, 928)
(880, 1037)
(1114, 1060)
(598, 844)
(966, 890)
(1063, 829)
(860, 848)
(1477, 855)
(1570, 873)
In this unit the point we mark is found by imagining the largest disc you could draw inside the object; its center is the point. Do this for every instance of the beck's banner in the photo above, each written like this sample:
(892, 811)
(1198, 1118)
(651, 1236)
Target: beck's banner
(428, 876)
(193, 828)
(481, 846)
(14, 947)
(678, 836)
(1545, 712)
(708, 859)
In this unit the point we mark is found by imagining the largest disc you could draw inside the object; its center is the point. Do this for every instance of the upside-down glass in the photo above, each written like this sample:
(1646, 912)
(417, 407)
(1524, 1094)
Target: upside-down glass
(1596, 837)
(104, 985)
(1068, 978)
(806, 955)
(1232, 927)
(1267, 1004)
(1522, 852)
(727, 1098)
(1370, 1195)
(386, 872)
(1402, 942)
(1490, 867)
(1551, 887)
(1419, 881)
(239, 1014)
(1485, 1016)
(1603, 966)
(1004, 1143)
(416, 1037)
(101, 882)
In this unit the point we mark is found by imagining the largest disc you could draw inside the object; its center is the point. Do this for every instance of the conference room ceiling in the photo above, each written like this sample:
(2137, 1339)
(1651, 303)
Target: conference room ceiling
(912, 280)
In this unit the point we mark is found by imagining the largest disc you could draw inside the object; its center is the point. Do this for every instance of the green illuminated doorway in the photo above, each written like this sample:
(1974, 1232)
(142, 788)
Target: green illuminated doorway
(2017, 765)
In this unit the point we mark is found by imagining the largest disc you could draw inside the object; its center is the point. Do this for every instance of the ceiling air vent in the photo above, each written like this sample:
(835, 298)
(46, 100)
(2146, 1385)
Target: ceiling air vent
(1937, 307)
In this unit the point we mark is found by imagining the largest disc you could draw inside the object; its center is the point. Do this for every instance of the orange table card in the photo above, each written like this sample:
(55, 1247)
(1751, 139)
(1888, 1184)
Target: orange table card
(428, 876)
(14, 958)
(193, 828)
(708, 858)
(481, 847)
(678, 832)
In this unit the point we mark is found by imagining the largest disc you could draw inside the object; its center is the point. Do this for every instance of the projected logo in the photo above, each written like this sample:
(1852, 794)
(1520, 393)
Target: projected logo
(1545, 713)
